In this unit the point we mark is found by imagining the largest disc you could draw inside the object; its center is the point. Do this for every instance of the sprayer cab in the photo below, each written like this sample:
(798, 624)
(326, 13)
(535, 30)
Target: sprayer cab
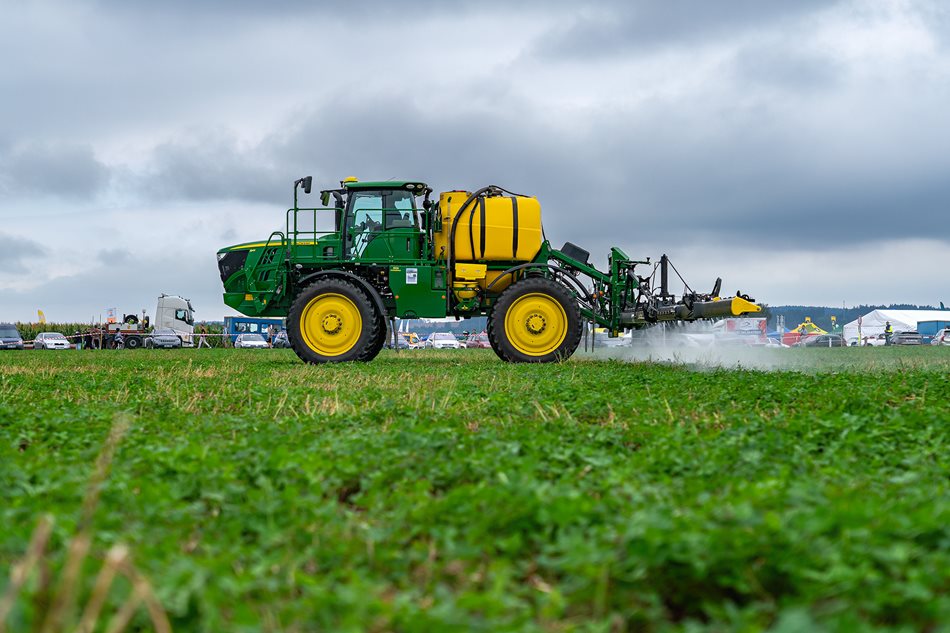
(379, 250)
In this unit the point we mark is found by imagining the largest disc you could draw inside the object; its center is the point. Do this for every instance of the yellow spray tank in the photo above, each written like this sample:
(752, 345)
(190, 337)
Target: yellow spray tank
(487, 229)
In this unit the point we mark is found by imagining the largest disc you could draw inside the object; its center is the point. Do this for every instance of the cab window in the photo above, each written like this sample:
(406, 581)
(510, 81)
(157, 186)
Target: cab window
(374, 211)
(183, 315)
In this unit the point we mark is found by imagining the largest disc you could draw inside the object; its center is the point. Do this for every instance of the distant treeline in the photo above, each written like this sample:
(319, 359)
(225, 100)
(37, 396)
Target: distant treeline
(821, 315)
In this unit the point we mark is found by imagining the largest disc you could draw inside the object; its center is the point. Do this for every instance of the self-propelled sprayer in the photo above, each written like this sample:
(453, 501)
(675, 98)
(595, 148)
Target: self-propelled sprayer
(375, 251)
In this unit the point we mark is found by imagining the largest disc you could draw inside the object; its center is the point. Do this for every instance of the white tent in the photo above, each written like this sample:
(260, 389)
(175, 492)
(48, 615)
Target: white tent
(872, 323)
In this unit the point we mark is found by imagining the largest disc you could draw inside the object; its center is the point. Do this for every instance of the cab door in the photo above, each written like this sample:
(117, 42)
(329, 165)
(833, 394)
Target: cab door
(382, 234)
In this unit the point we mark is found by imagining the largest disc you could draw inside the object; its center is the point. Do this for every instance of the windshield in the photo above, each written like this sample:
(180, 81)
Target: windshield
(252, 337)
(8, 331)
(442, 336)
(366, 209)
(52, 335)
(165, 331)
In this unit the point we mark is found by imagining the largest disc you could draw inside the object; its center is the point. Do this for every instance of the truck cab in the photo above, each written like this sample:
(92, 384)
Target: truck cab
(176, 313)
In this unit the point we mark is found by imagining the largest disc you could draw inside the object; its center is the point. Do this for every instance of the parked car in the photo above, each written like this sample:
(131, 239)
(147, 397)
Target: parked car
(250, 340)
(164, 337)
(875, 341)
(823, 340)
(442, 340)
(775, 342)
(908, 337)
(50, 340)
(478, 341)
(10, 337)
(401, 341)
(282, 340)
(942, 337)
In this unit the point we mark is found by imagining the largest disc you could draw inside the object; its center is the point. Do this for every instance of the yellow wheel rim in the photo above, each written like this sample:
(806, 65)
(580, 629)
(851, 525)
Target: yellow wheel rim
(536, 324)
(331, 324)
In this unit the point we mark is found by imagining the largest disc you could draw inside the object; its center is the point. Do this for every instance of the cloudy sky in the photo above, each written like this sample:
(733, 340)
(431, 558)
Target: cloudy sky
(801, 150)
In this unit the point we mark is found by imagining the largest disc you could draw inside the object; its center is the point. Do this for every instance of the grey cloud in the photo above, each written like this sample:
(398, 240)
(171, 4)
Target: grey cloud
(50, 169)
(785, 68)
(114, 256)
(776, 147)
(660, 173)
(211, 167)
(615, 28)
(16, 251)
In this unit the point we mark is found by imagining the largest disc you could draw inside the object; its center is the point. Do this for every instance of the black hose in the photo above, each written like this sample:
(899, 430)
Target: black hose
(458, 217)
(587, 296)
(455, 222)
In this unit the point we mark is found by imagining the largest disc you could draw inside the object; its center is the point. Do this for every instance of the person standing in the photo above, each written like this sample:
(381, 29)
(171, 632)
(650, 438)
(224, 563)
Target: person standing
(888, 332)
(202, 339)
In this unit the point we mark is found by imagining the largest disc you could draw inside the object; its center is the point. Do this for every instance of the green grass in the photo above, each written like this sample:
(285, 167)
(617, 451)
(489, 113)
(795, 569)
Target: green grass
(432, 491)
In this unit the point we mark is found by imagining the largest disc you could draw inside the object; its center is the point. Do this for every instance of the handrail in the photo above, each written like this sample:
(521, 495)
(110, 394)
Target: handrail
(294, 233)
(298, 237)
(252, 273)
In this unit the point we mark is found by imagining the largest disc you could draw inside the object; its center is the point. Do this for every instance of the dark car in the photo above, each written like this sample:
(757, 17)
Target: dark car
(164, 337)
(281, 339)
(908, 337)
(823, 340)
(10, 337)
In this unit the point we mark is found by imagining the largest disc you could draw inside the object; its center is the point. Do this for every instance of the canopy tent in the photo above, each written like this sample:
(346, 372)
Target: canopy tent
(873, 322)
(808, 327)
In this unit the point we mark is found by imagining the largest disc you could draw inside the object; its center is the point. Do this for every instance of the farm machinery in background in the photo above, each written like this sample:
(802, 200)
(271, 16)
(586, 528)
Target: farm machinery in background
(172, 312)
(375, 251)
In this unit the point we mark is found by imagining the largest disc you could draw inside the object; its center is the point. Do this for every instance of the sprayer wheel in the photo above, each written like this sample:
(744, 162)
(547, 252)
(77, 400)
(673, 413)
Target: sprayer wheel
(535, 320)
(334, 321)
(372, 351)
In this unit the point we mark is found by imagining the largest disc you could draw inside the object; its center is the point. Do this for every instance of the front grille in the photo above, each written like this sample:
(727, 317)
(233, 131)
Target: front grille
(230, 263)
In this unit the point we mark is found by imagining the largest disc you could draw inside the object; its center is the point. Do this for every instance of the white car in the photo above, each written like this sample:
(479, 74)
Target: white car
(942, 337)
(442, 340)
(250, 340)
(50, 340)
(875, 341)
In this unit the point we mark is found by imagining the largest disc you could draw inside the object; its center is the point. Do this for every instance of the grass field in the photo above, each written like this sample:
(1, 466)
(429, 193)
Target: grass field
(434, 491)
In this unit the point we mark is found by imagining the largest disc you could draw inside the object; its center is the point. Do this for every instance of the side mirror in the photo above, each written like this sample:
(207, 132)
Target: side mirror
(325, 198)
(307, 183)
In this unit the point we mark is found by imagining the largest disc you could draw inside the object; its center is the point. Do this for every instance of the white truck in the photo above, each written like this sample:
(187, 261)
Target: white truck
(172, 311)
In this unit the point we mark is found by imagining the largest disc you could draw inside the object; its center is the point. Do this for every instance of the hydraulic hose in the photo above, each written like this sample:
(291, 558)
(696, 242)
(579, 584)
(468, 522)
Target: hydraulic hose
(458, 216)
(455, 222)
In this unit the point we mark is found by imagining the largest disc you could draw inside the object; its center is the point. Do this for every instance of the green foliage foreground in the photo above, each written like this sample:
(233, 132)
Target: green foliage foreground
(449, 491)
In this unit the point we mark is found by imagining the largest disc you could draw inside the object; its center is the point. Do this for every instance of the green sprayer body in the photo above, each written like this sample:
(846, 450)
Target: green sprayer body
(412, 257)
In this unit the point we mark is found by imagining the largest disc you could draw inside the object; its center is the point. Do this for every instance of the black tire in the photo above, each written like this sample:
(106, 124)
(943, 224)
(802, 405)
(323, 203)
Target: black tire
(551, 349)
(367, 342)
(373, 350)
(133, 342)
